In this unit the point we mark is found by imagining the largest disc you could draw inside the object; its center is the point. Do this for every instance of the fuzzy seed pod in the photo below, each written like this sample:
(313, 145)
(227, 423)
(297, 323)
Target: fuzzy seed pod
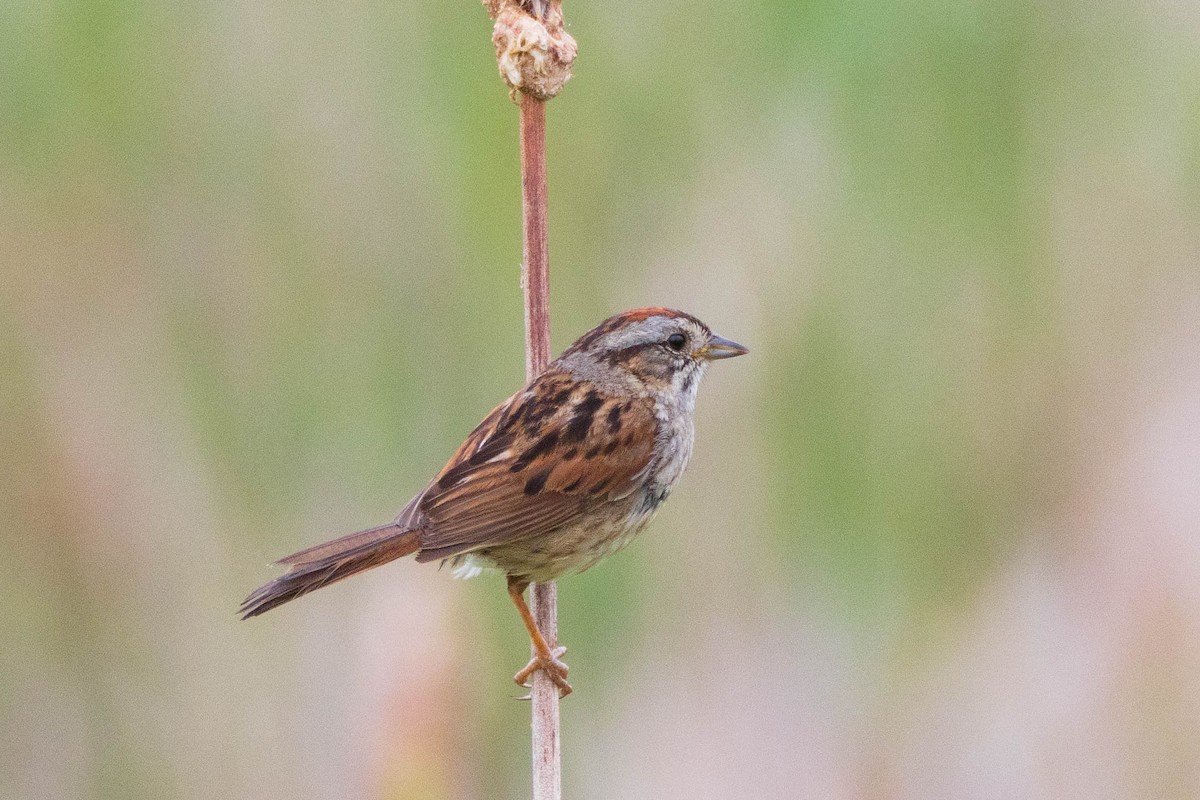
(534, 54)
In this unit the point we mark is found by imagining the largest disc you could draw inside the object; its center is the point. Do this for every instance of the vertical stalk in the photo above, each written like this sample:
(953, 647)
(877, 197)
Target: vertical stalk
(535, 269)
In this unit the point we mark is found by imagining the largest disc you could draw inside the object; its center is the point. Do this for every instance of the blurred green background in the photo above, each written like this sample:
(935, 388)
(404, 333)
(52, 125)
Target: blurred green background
(941, 533)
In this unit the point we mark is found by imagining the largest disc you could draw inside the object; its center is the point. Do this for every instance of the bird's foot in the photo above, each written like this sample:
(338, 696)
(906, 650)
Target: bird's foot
(549, 663)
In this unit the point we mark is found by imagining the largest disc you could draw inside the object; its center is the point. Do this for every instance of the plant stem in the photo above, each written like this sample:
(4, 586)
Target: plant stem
(535, 275)
(535, 270)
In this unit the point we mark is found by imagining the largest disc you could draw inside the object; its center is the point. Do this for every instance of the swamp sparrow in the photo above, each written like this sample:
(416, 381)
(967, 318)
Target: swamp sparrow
(560, 475)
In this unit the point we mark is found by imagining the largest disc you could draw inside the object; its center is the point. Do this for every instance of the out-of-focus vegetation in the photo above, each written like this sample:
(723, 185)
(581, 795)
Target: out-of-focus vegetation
(941, 535)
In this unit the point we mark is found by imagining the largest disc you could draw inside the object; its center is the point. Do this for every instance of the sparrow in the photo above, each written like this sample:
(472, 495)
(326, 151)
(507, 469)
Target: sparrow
(560, 475)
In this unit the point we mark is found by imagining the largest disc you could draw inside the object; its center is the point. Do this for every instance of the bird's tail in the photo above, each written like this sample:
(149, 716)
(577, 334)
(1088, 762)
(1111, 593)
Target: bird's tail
(322, 565)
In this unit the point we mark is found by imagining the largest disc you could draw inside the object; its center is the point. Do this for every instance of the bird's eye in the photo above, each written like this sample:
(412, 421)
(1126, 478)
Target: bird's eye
(676, 341)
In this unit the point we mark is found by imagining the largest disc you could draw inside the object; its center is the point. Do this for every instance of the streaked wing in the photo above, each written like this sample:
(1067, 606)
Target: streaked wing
(537, 462)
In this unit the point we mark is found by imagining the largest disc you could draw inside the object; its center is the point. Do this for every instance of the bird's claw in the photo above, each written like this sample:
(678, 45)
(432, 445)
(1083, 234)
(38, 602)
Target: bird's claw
(549, 663)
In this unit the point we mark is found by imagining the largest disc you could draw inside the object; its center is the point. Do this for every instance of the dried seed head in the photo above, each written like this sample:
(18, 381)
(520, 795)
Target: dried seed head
(534, 55)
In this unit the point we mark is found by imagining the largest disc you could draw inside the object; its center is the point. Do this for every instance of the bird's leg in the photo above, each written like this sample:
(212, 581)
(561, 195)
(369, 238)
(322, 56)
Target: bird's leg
(544, 658)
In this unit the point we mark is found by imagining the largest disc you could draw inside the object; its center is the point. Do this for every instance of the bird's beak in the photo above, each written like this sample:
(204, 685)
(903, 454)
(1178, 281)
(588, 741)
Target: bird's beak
(720, 347)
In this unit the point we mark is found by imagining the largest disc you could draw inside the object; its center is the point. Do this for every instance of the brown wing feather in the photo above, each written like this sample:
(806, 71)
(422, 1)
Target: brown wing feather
(536, 463)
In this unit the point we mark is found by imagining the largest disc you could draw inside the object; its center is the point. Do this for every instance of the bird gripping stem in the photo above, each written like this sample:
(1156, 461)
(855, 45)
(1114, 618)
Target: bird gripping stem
(534, 54)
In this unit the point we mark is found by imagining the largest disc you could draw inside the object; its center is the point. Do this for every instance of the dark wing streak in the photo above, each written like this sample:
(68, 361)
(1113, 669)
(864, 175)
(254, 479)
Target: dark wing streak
(534, 490)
